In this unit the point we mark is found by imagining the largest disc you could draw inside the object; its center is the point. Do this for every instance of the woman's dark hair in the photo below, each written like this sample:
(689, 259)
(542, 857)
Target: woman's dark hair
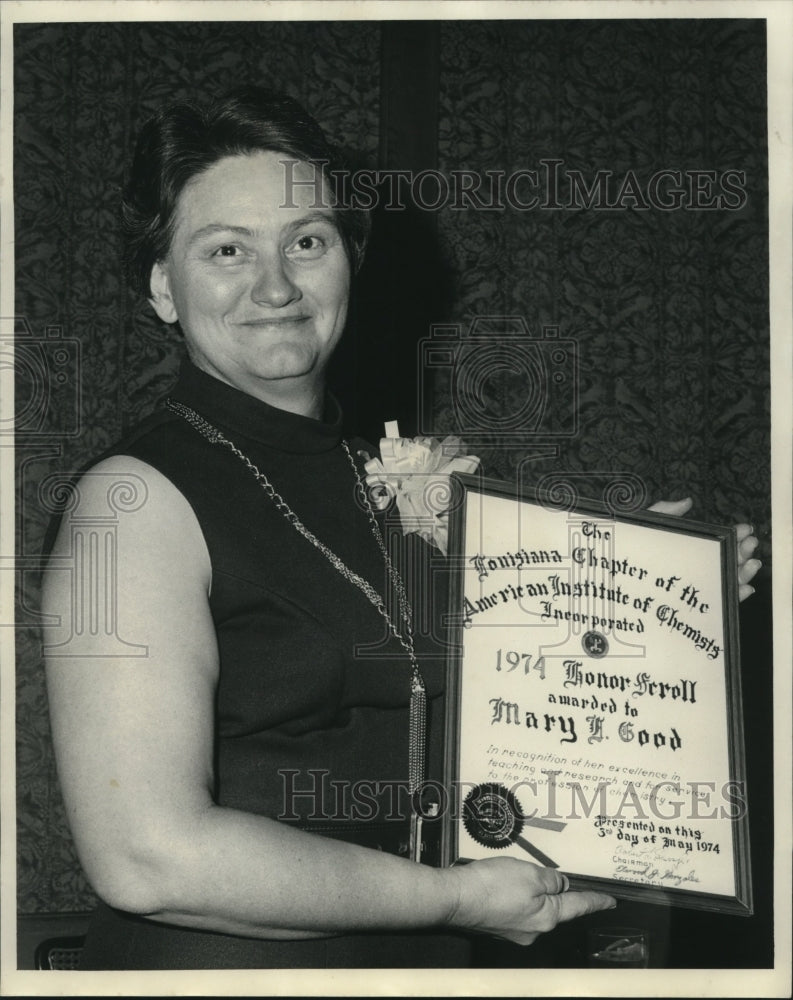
(182, 140)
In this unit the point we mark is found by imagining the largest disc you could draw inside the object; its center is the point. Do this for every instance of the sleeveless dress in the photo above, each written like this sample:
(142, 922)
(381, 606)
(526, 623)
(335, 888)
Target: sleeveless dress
(312, 701)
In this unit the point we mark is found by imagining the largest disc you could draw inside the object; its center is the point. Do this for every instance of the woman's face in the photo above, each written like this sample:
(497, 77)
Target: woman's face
(257, 276)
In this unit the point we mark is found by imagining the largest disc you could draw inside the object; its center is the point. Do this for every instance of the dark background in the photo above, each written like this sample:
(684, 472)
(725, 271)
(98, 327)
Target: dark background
(668, 311)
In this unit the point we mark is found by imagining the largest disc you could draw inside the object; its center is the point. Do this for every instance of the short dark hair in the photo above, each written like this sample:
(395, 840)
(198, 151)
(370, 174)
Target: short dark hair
(183, 139)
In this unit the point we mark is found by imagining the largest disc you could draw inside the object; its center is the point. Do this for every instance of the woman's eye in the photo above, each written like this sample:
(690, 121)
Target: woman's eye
(308, 247)
(232, 255)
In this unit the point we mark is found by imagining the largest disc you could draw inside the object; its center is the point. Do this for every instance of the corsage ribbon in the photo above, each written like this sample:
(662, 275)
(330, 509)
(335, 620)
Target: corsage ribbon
(415, 471)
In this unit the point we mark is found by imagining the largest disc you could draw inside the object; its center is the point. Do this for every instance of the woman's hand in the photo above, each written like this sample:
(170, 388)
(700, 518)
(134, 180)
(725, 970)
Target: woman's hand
(517, 900)
(747, 567)
(747, 543)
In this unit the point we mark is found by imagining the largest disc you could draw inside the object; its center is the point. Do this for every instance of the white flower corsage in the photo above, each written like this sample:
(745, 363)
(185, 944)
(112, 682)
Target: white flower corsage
(416, 472)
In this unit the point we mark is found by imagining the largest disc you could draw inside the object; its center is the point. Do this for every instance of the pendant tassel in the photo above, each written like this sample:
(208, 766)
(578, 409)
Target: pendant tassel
(417, 748)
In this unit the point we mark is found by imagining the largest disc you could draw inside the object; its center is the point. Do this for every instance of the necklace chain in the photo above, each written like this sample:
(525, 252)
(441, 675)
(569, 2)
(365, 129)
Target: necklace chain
(418, 719)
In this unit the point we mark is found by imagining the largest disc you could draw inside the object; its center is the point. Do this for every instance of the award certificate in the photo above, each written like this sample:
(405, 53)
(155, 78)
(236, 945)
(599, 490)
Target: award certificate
(594, 715)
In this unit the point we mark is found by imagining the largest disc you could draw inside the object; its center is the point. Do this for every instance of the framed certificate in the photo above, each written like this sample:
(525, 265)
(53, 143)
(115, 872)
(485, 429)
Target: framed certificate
(594, 712)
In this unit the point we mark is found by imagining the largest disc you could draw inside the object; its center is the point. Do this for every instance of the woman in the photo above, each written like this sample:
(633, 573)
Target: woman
(232, 791)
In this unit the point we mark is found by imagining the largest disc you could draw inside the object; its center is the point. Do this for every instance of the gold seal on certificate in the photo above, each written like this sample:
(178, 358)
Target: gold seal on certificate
(594, 714)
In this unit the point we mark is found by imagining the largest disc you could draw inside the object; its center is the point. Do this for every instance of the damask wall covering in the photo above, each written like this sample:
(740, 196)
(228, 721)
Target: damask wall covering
(666, 308)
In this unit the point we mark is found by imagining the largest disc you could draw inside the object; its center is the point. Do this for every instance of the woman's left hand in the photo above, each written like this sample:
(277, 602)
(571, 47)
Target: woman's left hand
(747, 567)
(747, 543)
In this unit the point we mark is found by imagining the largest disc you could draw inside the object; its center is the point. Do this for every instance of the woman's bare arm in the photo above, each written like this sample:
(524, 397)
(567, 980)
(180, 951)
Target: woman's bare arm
(134, 746)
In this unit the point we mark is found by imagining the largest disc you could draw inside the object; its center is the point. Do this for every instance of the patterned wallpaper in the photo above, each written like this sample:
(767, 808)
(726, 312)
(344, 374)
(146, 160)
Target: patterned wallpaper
(666, 309)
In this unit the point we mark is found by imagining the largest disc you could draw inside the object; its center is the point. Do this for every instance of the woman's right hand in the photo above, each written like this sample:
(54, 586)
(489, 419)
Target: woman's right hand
(517, 900)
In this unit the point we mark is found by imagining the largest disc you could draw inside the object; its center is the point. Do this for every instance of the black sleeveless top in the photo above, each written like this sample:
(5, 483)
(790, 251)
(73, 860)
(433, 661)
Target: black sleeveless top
(313, 691)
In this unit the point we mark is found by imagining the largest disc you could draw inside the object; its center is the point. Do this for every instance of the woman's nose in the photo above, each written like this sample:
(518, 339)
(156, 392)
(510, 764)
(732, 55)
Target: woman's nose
(273, 285)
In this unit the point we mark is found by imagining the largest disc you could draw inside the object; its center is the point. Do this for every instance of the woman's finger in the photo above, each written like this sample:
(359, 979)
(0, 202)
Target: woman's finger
(551, 880)
(748, 570)
(576, 904)
(677, 508)
(743, 531)
(746, 547)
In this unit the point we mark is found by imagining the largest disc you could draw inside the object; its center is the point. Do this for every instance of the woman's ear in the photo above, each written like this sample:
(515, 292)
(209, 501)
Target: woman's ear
(161, 298)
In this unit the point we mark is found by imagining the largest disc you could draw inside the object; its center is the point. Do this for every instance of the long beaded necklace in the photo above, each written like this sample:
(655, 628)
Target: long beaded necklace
(417, 729)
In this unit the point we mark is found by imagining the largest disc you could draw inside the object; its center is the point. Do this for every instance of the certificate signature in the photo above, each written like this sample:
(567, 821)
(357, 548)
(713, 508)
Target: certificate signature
(650, 865)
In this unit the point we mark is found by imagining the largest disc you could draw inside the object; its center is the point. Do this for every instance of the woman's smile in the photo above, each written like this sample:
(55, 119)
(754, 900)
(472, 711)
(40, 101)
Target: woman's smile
(275, 321)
